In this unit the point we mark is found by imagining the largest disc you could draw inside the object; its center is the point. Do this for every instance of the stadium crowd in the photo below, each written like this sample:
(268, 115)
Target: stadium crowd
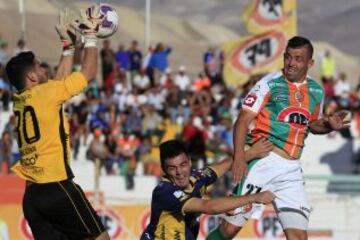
(141, 100)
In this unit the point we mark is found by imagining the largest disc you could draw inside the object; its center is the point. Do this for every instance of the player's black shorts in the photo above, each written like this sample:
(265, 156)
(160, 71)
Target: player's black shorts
(60, 210)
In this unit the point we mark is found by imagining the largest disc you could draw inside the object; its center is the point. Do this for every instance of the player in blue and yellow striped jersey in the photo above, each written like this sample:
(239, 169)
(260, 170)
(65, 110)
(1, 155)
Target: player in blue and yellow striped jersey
(177, 200)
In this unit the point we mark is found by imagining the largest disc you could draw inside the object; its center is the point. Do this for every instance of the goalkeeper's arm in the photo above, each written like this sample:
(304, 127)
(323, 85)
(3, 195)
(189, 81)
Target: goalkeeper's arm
(88, 26)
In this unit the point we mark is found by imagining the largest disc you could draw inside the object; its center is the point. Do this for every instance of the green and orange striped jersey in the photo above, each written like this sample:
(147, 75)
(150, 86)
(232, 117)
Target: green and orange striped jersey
(43, 130)
(284, 110)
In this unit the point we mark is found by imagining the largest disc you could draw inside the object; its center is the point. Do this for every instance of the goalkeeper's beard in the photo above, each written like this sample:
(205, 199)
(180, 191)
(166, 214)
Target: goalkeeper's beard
(43, 78)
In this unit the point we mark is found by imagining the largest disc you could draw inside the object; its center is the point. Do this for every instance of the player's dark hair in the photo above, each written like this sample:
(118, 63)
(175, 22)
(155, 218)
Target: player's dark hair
(298, 41)
(17, 68)
(171, 149)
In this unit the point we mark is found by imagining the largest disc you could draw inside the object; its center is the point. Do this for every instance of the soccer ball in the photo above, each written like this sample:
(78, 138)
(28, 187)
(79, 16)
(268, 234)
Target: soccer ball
(110, 22)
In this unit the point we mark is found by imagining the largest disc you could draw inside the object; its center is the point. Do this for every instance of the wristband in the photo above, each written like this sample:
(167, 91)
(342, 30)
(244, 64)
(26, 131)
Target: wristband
(90, 41)
(68, 48)
(68, 52)
(67, 44)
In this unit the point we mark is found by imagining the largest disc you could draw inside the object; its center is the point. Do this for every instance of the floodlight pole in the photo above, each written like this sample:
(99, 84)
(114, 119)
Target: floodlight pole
(23, 19)
(147, 23)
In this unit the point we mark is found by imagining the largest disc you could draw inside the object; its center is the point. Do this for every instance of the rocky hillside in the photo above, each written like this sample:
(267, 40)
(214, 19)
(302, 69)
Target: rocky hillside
(190, 26)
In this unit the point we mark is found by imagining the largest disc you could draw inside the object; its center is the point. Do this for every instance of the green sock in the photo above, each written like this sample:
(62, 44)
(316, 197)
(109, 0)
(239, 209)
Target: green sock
(216, 235)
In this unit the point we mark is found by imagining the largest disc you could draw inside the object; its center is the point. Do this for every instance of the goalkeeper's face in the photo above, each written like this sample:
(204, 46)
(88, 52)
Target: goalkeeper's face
(39, 72)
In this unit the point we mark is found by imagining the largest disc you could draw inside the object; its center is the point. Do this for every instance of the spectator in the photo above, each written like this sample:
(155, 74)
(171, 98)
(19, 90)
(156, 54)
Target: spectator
(329, 89)
(134, 100)
(159, 59)
(10, 128)
(221, 61)
(82, 111)
(3, 53)
(122, 58)
(107, 60)
(200, 103)
(133, 121)
(142, 81)
(128, 145)
(5, 91)
(20, 47)
(182, 80)
(208, 57)
(166, 79)
(151, 122)
(98, 149)
(201, 82)
(328, 67)
(5, 151)
(173, 100)
(98, 118)
(146, 65)
(74, 134)
(195, 137)
(156, 99)
(342, 86)
(135, 59)
(113, 156)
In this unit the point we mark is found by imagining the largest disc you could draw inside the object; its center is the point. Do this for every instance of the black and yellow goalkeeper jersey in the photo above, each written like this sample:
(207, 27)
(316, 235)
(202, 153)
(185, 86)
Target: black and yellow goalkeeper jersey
(42, 129)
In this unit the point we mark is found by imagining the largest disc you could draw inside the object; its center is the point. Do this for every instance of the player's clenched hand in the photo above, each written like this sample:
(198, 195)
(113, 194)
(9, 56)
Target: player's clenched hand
(264, 197)
(339, 120)
(239, 169)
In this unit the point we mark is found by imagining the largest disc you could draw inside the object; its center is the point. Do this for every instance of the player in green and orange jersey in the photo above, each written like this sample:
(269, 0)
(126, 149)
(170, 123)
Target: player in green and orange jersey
(282, 107)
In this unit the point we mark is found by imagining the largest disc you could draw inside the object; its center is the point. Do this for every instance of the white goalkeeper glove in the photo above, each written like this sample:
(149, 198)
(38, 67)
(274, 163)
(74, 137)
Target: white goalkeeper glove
(67, 33)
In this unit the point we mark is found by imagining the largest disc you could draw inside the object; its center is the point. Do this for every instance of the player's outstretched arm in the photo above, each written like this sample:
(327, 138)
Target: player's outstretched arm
(225, 204)
(89, 64)
(88, 27)
(222, 167)
(259, 150)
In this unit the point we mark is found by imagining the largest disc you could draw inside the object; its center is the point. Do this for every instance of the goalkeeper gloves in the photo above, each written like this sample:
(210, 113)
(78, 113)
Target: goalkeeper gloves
(88, 24)
(68, 36)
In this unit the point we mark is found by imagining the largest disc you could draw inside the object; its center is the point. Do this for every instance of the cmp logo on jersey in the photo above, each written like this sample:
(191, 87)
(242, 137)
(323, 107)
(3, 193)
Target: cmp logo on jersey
(297, 117)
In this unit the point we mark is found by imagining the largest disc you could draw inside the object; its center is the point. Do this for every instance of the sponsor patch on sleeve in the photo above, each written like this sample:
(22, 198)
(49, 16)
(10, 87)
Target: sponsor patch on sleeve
(250, 99)
(178, 194)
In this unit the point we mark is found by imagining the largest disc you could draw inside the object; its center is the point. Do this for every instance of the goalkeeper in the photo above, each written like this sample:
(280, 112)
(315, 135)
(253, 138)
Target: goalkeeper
(54, 206)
